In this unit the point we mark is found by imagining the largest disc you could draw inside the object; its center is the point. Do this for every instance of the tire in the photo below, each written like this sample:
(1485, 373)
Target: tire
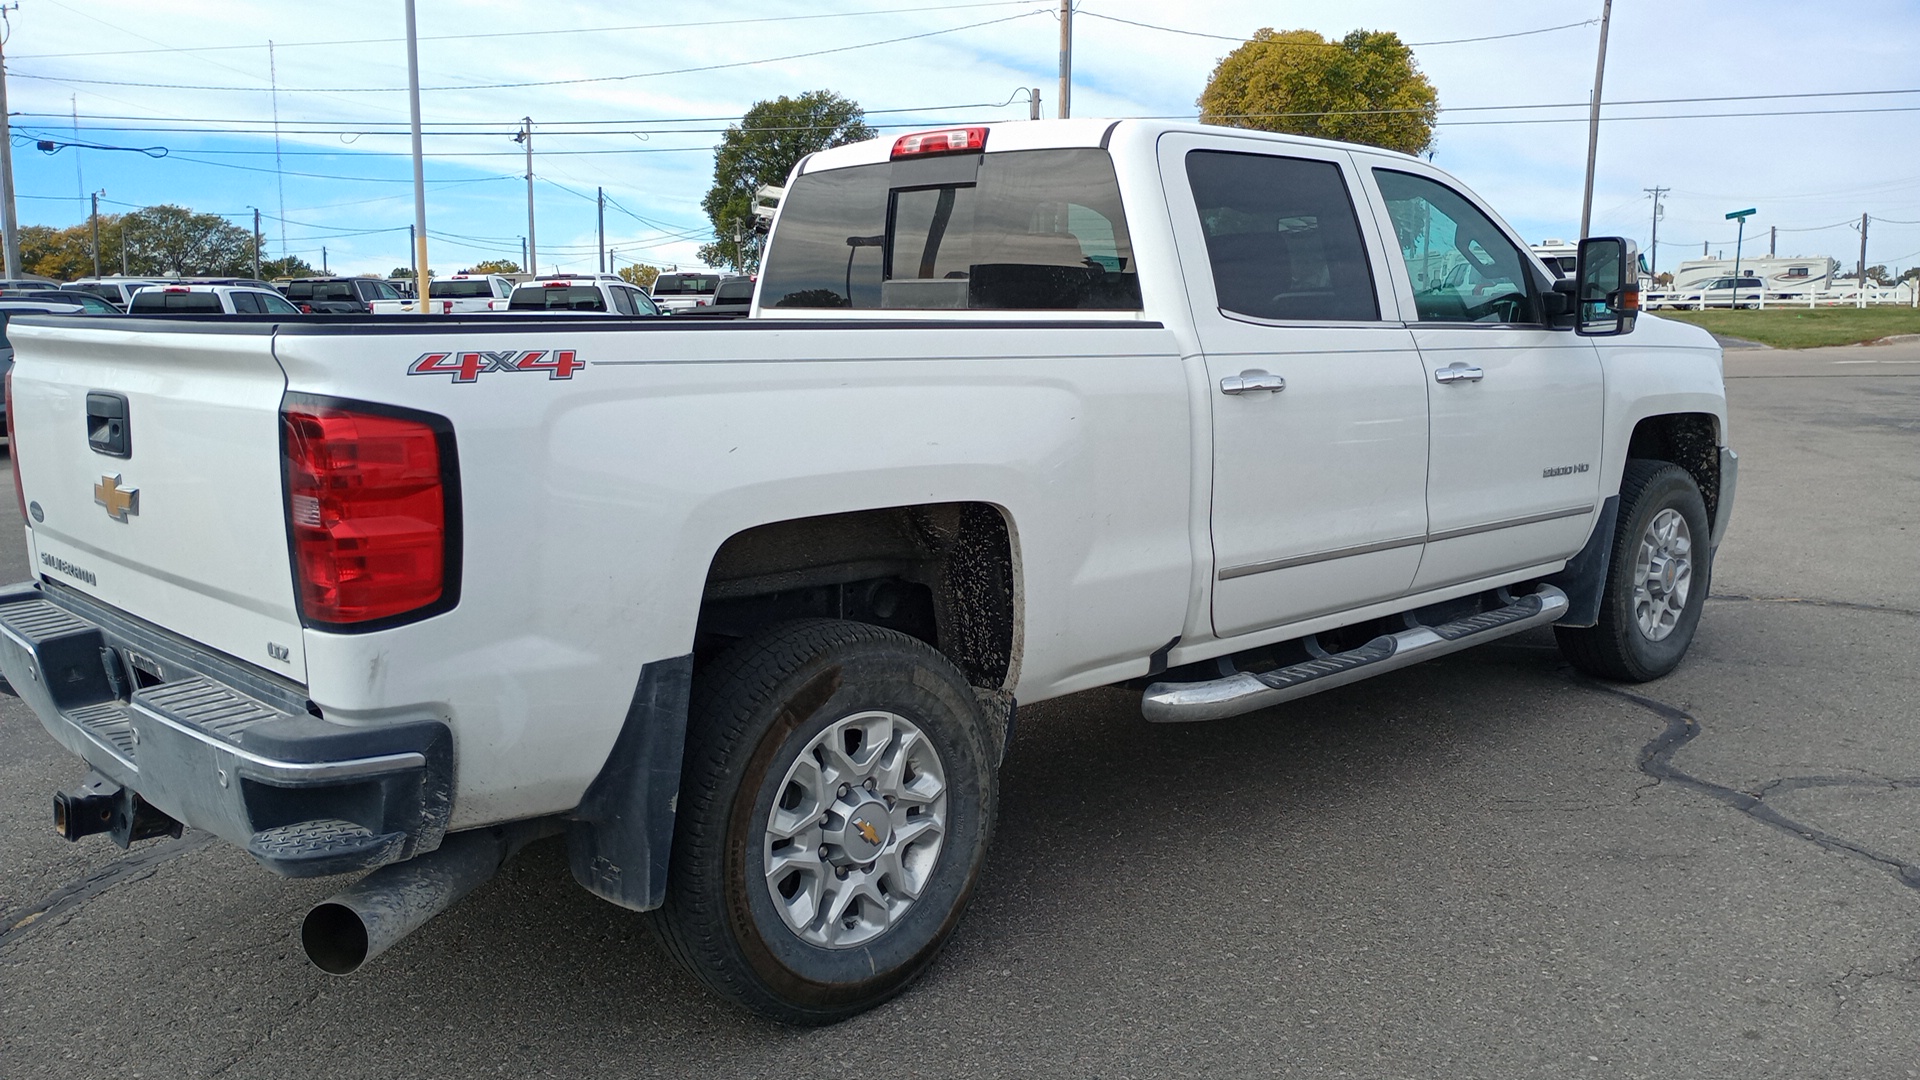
(778, 723)
(1648, 615)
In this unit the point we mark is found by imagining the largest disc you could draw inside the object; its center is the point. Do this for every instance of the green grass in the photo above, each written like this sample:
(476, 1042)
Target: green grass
(1799, 328)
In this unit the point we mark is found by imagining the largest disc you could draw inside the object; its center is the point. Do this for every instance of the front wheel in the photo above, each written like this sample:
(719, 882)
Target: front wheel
(835, 809)
(1656, 579)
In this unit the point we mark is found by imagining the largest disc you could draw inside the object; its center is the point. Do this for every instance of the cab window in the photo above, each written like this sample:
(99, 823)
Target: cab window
(1463, 267)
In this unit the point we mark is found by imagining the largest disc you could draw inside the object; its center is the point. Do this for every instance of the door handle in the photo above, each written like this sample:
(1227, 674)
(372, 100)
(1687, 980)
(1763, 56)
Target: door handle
(1458, 372)
(1248, 382)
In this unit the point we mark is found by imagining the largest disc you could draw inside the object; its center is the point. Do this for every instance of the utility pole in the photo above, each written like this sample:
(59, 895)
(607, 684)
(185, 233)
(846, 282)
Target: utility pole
(256, 245)
(1033, 103)
(1654, 267)
(9, 222)
(600, 195)
(1593, 119)
(1066, 58)
(414, 255)
(95, 219)
(419, 231)
(1773, 237)
(533, 246)
(523, 253)
(323, 260)
(1863, 260)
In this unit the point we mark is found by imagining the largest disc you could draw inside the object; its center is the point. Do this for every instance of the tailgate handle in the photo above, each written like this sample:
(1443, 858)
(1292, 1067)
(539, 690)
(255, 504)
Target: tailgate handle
(107, 422)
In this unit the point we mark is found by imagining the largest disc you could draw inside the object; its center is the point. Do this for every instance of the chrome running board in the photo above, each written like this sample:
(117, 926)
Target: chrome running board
(1242, 692)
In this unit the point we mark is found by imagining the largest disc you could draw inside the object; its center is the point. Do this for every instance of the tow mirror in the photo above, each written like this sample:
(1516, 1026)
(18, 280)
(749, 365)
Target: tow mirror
(1609, 286)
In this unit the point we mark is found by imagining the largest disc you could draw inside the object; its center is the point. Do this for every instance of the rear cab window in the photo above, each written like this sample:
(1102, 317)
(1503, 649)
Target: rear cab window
(1283, 240)
(1018, 230)
(557, 298)
(167, 302)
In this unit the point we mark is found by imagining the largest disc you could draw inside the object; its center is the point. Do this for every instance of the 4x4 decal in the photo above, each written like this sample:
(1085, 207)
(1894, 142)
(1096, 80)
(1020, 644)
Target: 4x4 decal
(466, 367)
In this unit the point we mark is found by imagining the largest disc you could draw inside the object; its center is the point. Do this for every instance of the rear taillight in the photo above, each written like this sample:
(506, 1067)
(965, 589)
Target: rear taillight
(13, 450)
(372, 512)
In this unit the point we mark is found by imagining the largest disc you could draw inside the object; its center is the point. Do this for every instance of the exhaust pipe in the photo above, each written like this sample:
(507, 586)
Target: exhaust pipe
(350, 928)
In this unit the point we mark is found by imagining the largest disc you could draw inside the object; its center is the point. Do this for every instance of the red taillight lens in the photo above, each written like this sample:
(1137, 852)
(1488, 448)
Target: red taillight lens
(13, 450)
(948, 141)
(368, 508)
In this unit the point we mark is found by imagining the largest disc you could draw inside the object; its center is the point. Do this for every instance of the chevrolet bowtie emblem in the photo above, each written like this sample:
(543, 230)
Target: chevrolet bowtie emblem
(867, 831)
(119, 501)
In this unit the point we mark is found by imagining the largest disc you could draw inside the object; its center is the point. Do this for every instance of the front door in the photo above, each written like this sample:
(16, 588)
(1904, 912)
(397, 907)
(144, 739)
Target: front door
(1514, 477)
(1316, 391)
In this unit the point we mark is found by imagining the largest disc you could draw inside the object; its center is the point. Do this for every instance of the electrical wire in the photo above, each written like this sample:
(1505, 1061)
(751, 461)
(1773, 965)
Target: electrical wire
(583, 80)
(528, 33)
(1247, 40)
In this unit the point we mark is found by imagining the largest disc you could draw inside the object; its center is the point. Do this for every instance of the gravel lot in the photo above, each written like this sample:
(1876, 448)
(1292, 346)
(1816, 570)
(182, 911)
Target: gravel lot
(1482, 866)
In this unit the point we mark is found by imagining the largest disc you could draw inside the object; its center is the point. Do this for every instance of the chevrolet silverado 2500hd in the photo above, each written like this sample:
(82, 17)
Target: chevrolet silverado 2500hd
(743, 609)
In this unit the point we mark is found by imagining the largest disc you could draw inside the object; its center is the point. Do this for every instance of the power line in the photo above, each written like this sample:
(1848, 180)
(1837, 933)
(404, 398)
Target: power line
(545, 124)
(526, 33)
(539, 82)
(1244, 39)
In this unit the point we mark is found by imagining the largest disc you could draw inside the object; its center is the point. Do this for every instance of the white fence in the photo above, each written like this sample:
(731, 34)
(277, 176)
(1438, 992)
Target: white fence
(1905, 294)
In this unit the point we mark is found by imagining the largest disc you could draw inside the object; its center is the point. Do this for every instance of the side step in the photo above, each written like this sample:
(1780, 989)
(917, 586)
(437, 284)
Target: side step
(1243, 692)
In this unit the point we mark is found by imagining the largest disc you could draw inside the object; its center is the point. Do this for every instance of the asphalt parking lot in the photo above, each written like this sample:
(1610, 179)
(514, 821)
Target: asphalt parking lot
(1484, 866)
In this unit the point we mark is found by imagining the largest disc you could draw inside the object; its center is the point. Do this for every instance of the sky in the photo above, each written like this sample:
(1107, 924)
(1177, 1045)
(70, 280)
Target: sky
(633, 98)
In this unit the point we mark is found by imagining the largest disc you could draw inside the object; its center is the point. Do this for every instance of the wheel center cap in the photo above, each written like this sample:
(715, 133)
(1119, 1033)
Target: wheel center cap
(868, 828)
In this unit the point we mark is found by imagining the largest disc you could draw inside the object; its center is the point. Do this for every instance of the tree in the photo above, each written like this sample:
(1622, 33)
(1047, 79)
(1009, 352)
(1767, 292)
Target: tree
(1364, 88)
(639, 274)
(762, 149)
(494, 266)
(174, 240)
(1878, 275)
(291, 266)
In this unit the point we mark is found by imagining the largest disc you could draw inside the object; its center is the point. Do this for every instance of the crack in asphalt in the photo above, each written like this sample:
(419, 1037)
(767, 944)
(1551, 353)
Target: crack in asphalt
(1814, 602)
(16, 926)
(1656, 760)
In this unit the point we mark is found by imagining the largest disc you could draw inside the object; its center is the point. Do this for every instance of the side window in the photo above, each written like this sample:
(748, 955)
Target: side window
(1282, 237)
(245, 303)
(623, 301)
(1464, 269)
(274, 305)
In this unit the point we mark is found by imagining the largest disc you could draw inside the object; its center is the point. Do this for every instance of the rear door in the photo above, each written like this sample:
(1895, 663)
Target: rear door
(1316, 391)
(1516, 404)
(178, 516)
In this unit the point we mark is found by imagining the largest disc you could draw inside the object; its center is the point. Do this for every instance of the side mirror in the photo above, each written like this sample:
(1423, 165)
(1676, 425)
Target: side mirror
(1609, 286)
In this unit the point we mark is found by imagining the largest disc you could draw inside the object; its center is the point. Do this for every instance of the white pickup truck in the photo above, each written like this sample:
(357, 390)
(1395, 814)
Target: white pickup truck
(461, 294)
(743, 609)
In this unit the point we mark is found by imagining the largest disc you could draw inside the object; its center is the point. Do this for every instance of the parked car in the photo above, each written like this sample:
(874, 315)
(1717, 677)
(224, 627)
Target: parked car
(732, 300)
(28, 283)
(338, 295)
(210, 300)
(684, 291)
(115, 290)
(1719, 292)
(460, 294)
(742, 610)
(90, 303)
(596, 294)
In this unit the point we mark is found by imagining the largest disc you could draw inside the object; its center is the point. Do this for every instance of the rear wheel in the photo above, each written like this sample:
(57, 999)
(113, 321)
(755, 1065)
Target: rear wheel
(834, 814)
(1657, 579)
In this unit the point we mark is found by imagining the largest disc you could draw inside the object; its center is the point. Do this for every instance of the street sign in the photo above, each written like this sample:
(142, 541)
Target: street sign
(1741, 214)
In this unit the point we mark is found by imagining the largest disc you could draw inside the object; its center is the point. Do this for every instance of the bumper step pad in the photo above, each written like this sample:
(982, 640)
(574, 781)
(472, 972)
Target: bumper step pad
(1245, 692)
(318, 847)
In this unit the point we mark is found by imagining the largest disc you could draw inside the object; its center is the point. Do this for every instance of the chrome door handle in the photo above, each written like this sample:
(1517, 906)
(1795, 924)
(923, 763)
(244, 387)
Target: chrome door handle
(1248, 382)
(1458, 372)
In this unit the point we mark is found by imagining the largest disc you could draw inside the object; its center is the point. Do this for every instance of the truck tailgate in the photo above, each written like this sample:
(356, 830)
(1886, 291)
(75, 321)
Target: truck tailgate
(185, 524)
